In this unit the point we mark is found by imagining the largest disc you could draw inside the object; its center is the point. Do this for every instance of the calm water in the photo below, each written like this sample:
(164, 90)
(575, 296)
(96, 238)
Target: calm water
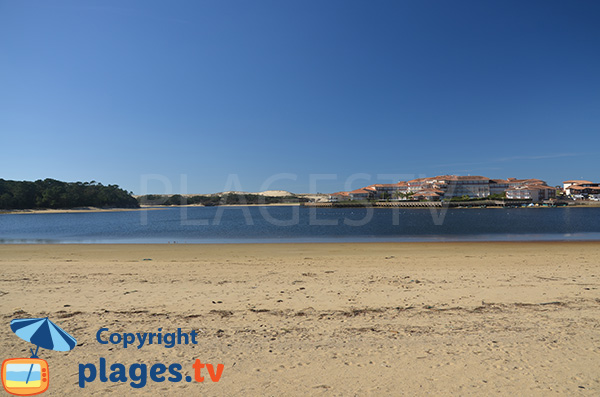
(299, 224)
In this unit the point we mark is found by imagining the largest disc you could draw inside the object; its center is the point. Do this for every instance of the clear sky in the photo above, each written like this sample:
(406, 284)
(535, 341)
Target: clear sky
(241, 91)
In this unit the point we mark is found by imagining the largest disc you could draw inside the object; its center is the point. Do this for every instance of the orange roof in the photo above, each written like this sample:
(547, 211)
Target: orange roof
(434, 191)
(420, 180)
(442, 178)
(339, 194)
(515, 180)
(577, 182)
(534, 181)
(584, 187)
(360, 191)
(463, 178)
(370, 187)
(532, 187)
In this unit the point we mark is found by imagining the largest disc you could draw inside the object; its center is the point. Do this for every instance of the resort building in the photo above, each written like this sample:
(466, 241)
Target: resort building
(568, 184)
(533, 192)
(453, 185)
(581, 190)
(365, 193)
(579, 187)
(339, 196)
(390, 191)
(386, 190)
(499, 186)
(445, 187)
(428, 195)
(471, 186)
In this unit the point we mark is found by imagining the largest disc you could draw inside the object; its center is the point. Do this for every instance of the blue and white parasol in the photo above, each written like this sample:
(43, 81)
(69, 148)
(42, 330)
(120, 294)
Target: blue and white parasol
(43, 333)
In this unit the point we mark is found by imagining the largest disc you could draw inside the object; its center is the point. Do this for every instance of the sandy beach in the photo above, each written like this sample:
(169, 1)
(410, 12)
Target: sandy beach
(320, 319)
(142, 208)
(77, 210)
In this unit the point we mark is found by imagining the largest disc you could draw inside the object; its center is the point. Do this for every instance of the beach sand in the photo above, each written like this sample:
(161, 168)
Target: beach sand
(79, 210)
(320, 319)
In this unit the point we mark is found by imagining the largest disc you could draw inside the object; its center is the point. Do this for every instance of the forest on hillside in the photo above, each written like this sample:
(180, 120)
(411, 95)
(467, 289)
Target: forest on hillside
(50, 193)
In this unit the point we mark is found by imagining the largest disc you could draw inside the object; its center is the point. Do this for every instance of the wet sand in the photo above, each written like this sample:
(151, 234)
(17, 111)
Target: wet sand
(320, 319)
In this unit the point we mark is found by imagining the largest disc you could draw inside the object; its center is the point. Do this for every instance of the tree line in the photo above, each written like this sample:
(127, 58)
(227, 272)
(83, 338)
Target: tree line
(50, 193)
(226, 199)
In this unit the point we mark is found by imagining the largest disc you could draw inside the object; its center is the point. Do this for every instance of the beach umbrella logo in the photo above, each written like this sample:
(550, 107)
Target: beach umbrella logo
(29, 376)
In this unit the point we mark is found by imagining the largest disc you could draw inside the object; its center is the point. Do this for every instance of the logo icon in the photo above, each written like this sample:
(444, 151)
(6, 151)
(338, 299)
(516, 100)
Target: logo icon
(29, 376)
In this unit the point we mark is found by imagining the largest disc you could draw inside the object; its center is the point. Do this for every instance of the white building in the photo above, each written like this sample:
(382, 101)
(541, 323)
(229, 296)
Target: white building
(365, 193)
(453, 185)
(339, 196)
(533, 192)
(583, 192)
(580, 189)
(567, 184)
(449, 186)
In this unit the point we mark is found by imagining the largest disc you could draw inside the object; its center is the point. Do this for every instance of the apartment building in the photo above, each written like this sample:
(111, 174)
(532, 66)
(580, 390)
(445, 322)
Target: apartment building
(390, 190)
(365, 193)
(471, 186)
(339, 196)
(449, 186)
(576, 182)
(533, 192)
(580, 189)
(453, 185)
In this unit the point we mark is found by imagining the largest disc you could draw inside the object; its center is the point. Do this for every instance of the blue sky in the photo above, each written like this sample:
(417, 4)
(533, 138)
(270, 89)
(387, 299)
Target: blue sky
(234, 94)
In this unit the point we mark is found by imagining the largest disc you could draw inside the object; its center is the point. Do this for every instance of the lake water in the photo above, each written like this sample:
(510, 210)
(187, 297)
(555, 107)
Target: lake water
(302, 224)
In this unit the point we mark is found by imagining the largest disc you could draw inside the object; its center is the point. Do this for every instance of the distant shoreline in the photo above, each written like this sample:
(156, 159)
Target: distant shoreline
(163, 207)
(74, 210)
(142, 208)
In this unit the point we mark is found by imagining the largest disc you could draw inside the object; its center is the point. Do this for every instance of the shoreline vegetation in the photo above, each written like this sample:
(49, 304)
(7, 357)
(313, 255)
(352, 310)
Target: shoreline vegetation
(53, 194)
(226, 198)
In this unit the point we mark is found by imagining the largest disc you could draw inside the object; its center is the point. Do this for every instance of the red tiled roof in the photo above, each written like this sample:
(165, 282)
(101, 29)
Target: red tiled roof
(434, 191)
(575, 187)
(532, 187)
(420, 180)
(577, 182)
(451, 178)
(442, 179)
(515, 180)
(534, 181)
(463, 178)
(360, 191)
